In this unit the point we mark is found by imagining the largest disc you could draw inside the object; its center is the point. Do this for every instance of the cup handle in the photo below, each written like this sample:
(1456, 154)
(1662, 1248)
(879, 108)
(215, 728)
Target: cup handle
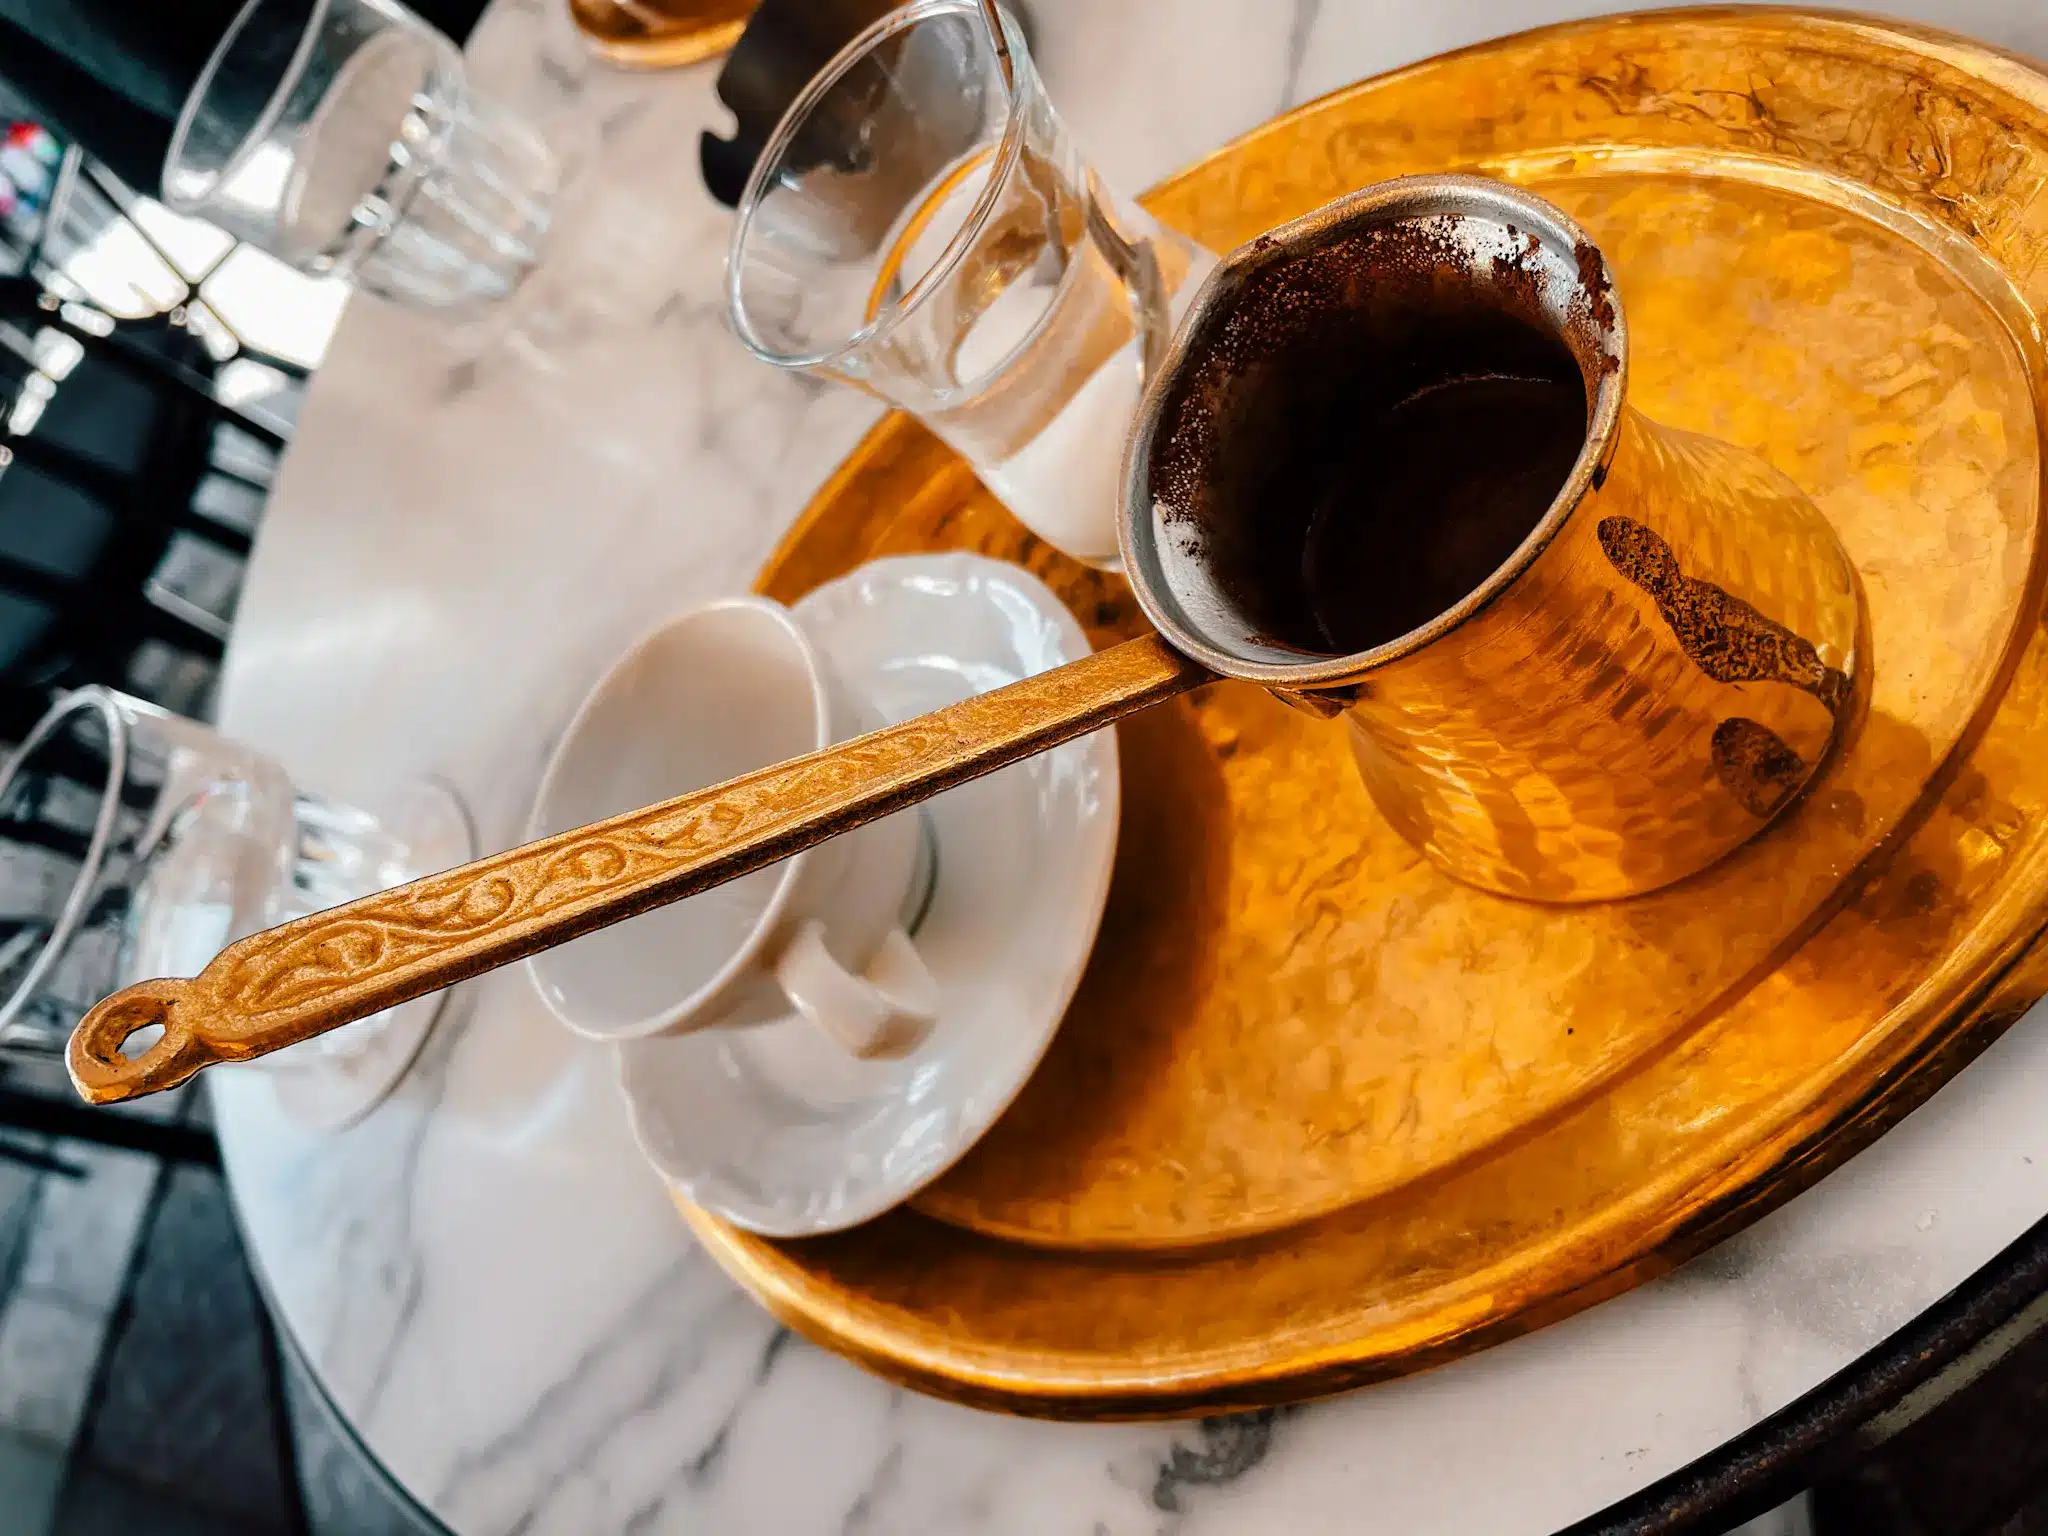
(885, 1012)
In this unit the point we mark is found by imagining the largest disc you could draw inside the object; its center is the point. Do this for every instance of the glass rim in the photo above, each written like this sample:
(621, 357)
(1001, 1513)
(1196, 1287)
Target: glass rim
(175, 198)
(1008, 149)
(99, 700)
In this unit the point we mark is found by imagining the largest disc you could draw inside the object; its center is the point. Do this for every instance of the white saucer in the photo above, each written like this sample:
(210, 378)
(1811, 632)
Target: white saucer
(776, 1129)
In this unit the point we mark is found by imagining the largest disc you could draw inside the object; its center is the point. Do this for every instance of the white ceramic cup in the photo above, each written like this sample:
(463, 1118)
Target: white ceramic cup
(706, 697)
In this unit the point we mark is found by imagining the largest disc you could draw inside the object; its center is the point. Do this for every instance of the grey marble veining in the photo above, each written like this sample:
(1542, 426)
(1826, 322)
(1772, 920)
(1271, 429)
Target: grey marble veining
(491, 1285)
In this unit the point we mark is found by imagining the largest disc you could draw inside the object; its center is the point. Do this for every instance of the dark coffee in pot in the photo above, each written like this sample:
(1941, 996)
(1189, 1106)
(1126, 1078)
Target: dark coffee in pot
(1425, 498)
(1370, 436)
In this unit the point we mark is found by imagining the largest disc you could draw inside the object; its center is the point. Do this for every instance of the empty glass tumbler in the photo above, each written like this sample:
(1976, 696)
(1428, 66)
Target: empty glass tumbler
(135, 843)
(344, 138)
(921, 226)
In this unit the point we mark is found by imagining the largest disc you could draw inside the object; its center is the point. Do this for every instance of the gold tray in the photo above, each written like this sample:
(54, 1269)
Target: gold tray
(1319, 1115)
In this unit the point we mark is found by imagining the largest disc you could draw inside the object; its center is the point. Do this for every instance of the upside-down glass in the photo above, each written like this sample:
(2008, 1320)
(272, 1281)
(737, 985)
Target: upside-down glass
(923, 228)
(344, 138)
(135, 843)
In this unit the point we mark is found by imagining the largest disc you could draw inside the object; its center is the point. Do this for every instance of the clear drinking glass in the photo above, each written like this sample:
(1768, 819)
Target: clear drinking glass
(920, 225)
(343, 137)
(135, 843)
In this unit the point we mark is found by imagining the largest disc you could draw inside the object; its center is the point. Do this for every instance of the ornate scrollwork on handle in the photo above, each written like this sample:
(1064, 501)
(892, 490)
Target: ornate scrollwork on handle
(286, 984)
(565, 875)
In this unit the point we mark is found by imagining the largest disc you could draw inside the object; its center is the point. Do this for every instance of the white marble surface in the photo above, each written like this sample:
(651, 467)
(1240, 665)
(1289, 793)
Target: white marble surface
(488, 1281)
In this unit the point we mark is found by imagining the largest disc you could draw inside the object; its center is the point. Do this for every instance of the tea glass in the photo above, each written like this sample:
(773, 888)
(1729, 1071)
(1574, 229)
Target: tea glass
(137, 843)
(921, 226)
(345, 138)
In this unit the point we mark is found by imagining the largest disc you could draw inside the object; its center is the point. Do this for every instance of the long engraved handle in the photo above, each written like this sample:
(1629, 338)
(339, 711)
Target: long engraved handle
(288, 983)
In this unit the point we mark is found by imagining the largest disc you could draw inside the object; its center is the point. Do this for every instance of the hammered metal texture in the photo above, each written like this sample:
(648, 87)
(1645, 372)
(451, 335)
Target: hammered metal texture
(1662, 680)
(1320, 1114)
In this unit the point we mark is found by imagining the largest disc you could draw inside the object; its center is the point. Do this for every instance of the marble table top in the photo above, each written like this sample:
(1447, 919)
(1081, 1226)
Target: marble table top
(491, 1285)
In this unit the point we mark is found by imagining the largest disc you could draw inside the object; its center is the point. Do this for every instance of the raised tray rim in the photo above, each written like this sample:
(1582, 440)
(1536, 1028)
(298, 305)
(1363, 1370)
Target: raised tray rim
(2006, 975)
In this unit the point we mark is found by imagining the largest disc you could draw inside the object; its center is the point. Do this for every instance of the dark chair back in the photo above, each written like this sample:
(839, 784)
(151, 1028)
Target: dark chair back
(99, 490)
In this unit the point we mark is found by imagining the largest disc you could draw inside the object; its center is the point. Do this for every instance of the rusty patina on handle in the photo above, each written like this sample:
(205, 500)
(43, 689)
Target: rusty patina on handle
(289, 983)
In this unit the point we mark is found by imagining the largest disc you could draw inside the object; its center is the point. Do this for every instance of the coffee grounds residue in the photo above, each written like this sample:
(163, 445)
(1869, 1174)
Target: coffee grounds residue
(1755, 765)
(1722, 635)
(1593, 280)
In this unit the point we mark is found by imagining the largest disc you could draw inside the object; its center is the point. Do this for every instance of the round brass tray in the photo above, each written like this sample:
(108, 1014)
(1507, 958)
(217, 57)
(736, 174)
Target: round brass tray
(1319, 1115)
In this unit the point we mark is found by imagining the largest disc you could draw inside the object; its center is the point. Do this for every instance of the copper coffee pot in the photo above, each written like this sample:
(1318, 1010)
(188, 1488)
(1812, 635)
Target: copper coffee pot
(1656, 671)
